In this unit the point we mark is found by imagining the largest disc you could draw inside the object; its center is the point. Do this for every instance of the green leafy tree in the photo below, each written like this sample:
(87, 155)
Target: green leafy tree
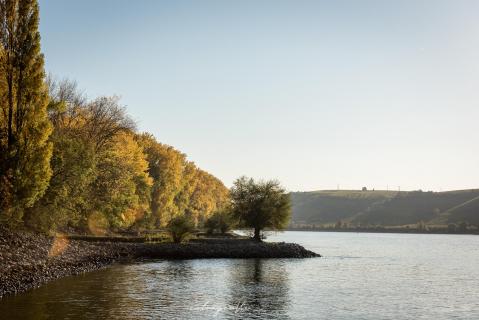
(73, 163)
(25, 151)
(98, 167)
(166, 166)
(122, 186)
(179, 187)
(180, 228)
(221, 221)
(208, 196)
(260, 205)
(73, 166)
(183, 198)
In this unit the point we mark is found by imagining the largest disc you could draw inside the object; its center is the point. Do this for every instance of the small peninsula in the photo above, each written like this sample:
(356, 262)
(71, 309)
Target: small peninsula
(29, 259)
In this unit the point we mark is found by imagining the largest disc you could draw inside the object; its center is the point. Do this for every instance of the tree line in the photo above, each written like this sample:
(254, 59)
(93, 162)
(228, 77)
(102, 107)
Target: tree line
(70, 162)
(255, 205)
(77, 164)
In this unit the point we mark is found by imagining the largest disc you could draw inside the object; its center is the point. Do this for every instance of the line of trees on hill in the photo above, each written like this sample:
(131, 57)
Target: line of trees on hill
(70, 162)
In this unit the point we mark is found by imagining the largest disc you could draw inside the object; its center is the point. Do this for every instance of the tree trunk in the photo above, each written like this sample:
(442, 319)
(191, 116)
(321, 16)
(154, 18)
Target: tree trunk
(10, 115)
(257, 234)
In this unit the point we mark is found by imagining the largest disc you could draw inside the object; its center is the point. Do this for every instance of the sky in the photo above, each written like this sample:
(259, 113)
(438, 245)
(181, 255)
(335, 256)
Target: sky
(317, 94)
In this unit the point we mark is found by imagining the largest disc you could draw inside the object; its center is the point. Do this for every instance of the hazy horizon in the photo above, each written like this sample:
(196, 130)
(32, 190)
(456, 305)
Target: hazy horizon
(315, 94)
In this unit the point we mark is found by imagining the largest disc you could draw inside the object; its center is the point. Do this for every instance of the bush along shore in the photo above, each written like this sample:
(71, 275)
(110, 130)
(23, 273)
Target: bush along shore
(28, 260)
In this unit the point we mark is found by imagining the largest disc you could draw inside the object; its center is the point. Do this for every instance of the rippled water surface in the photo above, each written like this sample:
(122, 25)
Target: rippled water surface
(361, 276)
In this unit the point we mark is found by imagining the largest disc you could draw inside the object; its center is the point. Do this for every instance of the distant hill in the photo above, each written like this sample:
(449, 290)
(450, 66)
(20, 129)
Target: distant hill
(386, 208)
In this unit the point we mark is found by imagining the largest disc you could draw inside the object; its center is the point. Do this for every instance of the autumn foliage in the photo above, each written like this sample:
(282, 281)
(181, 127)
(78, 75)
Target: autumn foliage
(67, 162)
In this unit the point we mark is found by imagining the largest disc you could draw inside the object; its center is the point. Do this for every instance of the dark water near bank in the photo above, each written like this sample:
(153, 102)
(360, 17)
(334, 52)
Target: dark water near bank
(361, 276)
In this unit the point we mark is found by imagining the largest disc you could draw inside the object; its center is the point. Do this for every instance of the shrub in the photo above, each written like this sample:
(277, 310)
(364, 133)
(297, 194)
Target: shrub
(211, 224)
(180, 228)
(220, 221)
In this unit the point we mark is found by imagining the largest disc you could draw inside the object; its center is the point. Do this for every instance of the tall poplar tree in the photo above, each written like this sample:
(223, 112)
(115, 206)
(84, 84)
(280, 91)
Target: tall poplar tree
(24, 126)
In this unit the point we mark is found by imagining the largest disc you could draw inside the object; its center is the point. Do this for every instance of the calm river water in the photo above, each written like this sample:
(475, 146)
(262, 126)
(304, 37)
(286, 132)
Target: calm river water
(361, 276)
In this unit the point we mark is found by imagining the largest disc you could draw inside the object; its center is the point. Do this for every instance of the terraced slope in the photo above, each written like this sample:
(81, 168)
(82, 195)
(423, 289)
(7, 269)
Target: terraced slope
(387, 208)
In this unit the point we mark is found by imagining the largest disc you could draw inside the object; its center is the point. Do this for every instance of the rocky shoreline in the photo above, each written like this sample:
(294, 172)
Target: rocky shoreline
(28, 260)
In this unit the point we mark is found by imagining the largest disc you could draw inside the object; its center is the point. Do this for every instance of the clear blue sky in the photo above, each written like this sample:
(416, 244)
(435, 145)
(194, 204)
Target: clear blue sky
(313, 93)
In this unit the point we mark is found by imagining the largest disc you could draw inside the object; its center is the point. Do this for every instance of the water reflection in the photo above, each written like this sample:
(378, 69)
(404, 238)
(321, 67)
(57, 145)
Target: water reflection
(162, 289)
(404, 280)
(200, 289)
(258, 290)
(72, 297)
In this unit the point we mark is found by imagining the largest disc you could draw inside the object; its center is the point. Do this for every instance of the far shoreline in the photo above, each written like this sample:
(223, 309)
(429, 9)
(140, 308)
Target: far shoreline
(384, 230)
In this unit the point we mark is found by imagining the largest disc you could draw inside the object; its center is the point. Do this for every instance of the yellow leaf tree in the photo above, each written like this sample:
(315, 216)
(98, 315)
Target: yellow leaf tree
(24, 126)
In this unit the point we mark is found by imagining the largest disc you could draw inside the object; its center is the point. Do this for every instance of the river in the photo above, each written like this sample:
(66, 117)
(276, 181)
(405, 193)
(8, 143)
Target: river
(360, 276)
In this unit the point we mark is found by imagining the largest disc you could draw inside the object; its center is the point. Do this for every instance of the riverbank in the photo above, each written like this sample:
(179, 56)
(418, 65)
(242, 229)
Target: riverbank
(28, 260)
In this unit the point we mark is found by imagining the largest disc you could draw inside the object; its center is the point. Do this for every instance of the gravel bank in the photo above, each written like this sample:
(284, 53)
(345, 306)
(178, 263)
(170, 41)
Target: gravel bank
(28, 260)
